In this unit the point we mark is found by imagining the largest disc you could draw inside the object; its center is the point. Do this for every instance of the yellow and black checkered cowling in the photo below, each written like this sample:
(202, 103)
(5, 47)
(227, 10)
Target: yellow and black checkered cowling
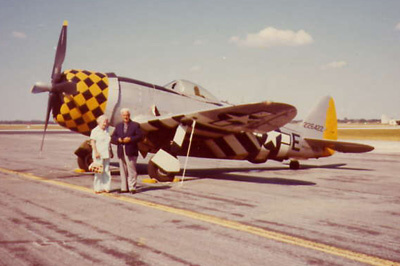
(79, 112)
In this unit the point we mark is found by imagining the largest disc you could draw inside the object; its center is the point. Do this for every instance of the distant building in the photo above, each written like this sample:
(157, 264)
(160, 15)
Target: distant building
(386, 120)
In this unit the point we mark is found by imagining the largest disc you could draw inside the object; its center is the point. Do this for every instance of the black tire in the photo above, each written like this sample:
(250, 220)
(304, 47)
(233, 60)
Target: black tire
(294, 165)
(85, 161)
(155, 172)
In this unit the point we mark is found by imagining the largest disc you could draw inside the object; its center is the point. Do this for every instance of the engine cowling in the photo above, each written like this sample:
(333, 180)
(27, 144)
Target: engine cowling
(79, 111)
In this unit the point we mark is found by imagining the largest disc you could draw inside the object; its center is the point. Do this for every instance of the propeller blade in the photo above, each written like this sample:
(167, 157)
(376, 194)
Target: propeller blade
(54, 89)
(49, 107)
(41, 87)
(60, 53)
(66, 87)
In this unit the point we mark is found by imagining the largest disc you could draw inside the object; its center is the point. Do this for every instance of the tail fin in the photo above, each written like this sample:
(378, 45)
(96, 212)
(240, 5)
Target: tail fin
(321, 122)
(320, 130)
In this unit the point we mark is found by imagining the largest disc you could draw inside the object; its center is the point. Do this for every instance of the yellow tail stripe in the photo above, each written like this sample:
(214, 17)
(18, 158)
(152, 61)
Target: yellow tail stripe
(331, 122)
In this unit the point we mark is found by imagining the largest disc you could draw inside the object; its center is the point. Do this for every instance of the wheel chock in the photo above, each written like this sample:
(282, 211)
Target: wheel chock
(79, 170)
(176, 179)
(149, 180)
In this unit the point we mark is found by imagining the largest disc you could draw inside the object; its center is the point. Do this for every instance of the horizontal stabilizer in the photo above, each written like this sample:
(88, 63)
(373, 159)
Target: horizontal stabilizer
(340, 146)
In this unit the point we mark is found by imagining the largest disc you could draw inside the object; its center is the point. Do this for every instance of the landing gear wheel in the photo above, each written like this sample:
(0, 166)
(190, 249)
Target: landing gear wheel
(85, 161)
(294, 165)
(84, 153)
(155, 172)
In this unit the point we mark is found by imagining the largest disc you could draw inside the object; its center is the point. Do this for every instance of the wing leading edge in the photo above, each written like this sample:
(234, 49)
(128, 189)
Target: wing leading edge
(257, 117)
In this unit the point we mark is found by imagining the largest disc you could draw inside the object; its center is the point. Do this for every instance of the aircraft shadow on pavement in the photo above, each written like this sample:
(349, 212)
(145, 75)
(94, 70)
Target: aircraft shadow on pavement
(231, 174)
(226, 174)
(146, 188)
(142, 168)
(143, 188)
(334, 166)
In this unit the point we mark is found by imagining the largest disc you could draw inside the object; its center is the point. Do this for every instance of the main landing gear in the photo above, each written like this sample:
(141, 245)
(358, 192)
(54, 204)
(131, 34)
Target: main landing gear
(164, 165)
(158, 174)
(84, 153)
(294, 165)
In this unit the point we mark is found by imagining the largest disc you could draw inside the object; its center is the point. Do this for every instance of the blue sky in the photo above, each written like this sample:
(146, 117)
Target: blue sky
(242, 51)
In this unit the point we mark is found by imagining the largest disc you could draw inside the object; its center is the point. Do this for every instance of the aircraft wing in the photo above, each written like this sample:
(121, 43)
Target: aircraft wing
(256, 117)
(340, 146)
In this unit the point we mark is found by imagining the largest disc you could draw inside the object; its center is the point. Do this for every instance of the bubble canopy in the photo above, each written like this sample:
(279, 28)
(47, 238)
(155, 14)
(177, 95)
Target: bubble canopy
(191, 89)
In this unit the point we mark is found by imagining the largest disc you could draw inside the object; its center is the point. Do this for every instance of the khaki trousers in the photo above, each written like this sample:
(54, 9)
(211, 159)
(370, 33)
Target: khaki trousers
(127, 168)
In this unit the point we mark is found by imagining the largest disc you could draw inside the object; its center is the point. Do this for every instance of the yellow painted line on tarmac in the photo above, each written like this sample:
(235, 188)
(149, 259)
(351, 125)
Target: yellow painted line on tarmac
(292, 240)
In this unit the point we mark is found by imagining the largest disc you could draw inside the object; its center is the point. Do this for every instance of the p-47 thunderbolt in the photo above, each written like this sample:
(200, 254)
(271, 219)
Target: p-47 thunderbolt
(183, 119)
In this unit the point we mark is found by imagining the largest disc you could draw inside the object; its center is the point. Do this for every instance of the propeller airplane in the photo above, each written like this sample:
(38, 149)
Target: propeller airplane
(184, 119)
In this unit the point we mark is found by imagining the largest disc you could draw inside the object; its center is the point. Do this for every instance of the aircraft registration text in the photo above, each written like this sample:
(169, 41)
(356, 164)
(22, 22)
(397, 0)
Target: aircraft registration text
(313, 126)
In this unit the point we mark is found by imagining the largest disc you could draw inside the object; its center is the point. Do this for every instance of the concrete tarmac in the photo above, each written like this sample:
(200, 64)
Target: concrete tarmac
(341, 210)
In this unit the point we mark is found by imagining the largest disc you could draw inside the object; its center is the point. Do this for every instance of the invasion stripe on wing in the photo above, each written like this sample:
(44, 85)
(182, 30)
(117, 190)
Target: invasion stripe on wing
(225, 147)
(249, 142)
(218, 152)
(235, 145)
